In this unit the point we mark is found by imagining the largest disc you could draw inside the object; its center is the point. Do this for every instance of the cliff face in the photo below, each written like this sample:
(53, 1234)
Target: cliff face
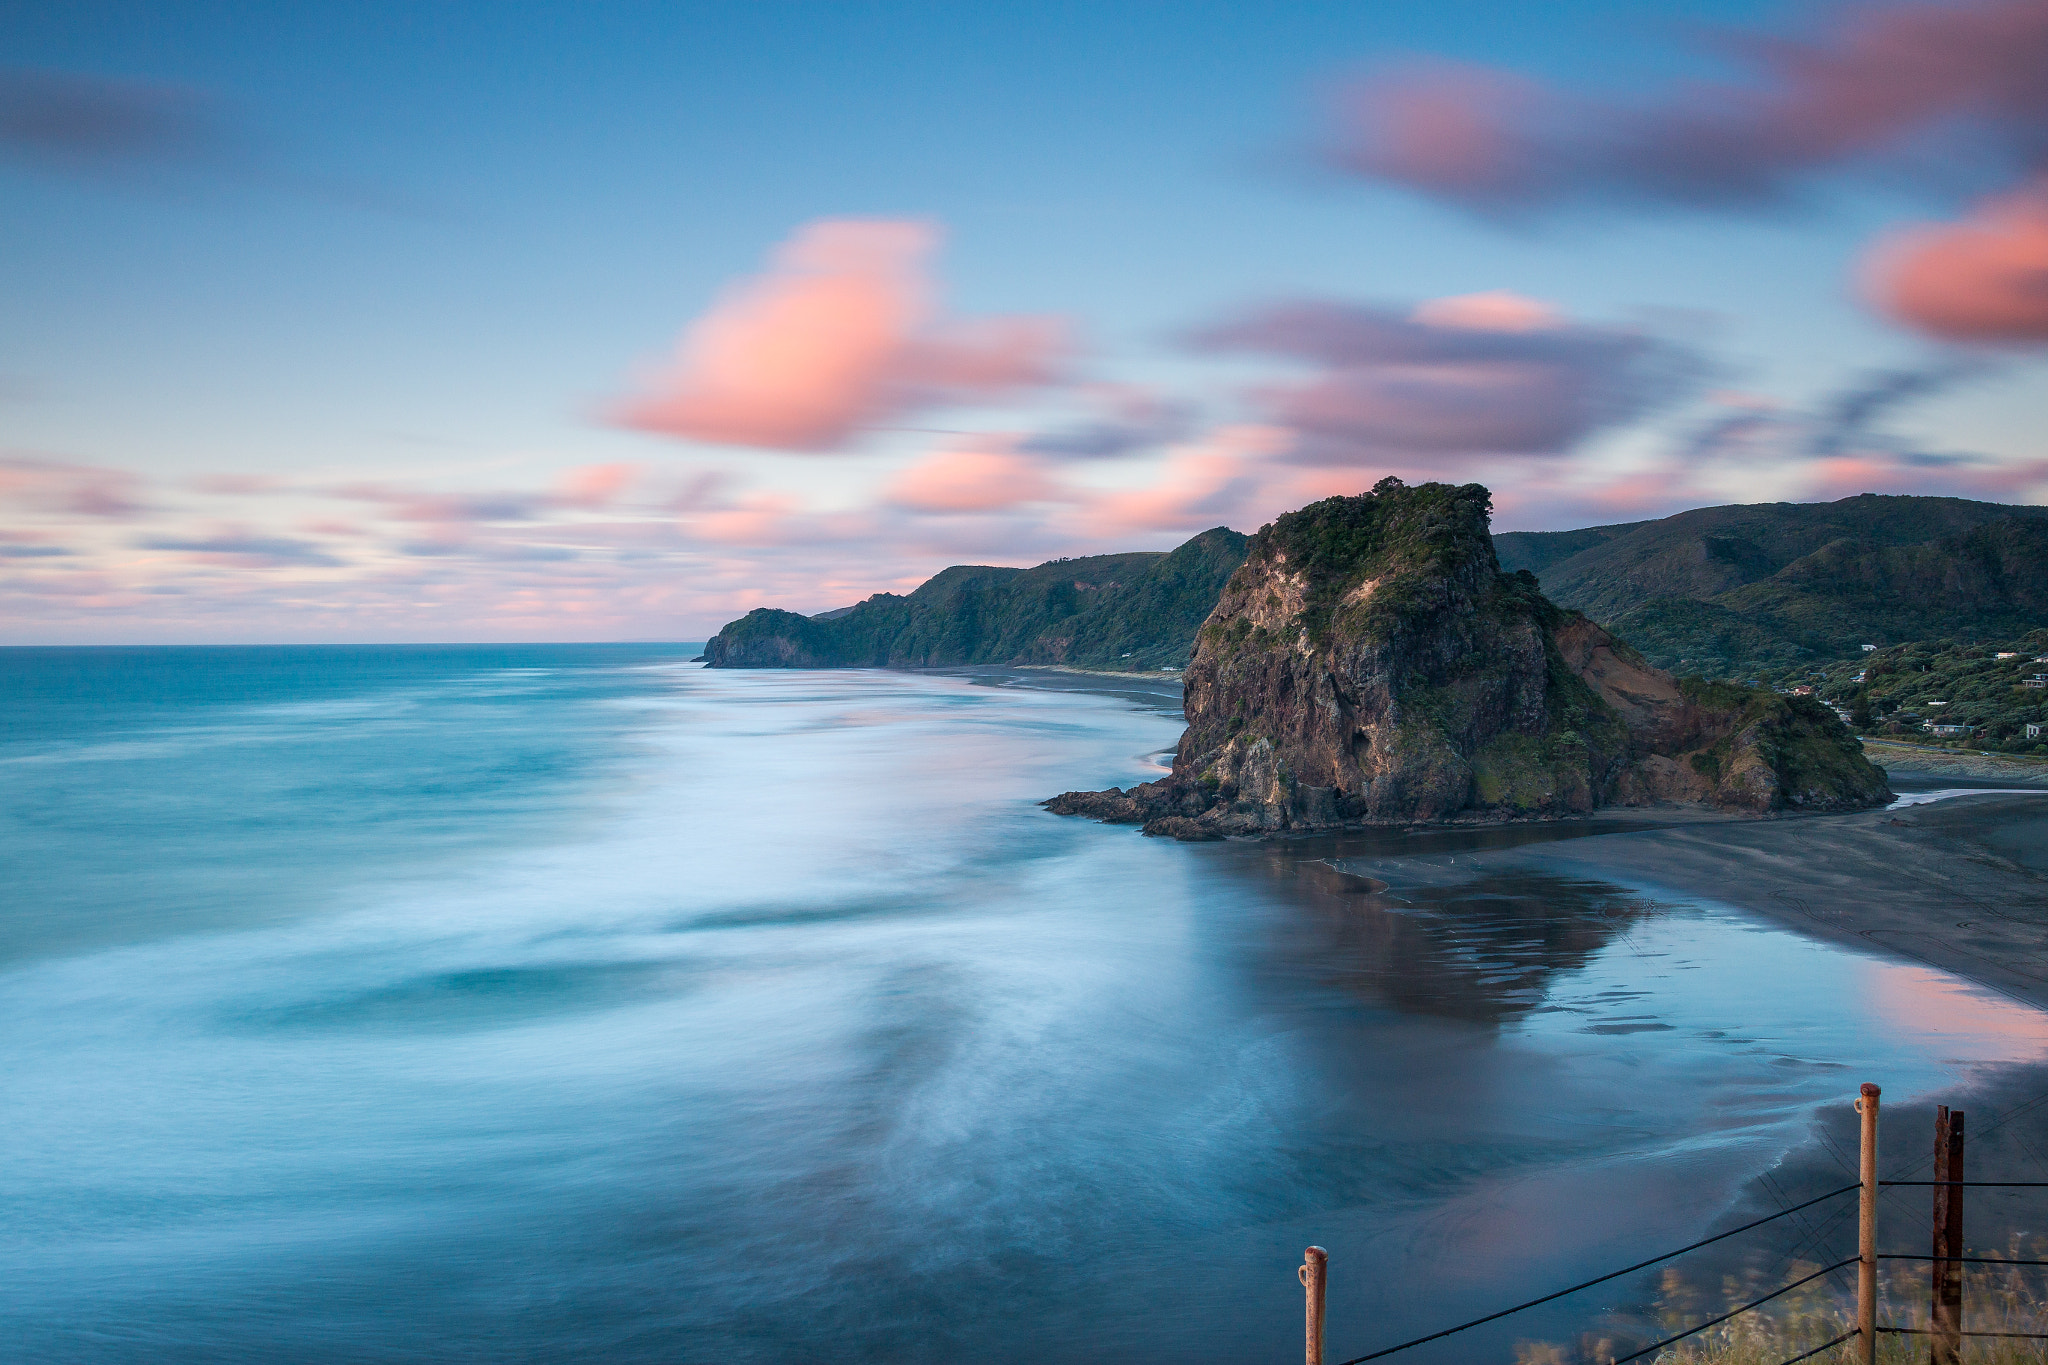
(1370, 662)
(1128, 611)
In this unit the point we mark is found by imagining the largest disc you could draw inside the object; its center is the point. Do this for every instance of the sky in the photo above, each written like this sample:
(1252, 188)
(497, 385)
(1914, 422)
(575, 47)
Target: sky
(518, 321)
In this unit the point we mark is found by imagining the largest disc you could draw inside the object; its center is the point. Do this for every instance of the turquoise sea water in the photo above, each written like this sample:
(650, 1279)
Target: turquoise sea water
(580, 1004)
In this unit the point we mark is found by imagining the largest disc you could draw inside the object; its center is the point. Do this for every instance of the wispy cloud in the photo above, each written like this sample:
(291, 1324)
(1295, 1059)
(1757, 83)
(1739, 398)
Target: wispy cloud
(1454, 378)
(1906, 89)
(245, 545)
(1942, 95)
(79, 123)
(52, 486)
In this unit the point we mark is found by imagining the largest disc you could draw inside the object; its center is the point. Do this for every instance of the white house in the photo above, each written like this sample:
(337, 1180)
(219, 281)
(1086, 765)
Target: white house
(1946, 728)
(2035, 727)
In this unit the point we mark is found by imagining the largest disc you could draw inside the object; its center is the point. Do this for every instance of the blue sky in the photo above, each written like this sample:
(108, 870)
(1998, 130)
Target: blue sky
(318, 347)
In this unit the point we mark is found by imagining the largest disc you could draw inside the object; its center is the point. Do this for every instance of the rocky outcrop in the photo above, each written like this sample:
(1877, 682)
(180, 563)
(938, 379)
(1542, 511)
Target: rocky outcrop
(1370, 663)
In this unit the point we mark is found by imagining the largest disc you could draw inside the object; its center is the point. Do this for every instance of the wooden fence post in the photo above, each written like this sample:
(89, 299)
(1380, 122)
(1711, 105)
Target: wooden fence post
(1313, 1274)
(1866, 1230)
(1945, 1285)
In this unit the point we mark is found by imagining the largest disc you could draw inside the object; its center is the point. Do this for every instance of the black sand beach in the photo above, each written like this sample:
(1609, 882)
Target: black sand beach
(1960, 884)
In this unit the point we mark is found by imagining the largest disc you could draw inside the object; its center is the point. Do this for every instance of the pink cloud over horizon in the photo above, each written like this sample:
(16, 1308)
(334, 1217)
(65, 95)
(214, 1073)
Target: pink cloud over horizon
(1231, 476)
(54, 486)
(838, 334)
(971, 480)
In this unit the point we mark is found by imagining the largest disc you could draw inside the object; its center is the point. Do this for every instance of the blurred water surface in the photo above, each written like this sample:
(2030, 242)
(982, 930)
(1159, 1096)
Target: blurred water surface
(575, 1003)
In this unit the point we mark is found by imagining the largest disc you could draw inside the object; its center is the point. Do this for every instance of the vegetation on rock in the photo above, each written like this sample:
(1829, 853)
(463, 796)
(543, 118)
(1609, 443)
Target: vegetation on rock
(1131, 611)
(1752, 591)
(1369, 661)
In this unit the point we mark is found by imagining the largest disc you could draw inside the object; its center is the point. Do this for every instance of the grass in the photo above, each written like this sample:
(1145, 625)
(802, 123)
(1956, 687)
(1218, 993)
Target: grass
(1995, 1299)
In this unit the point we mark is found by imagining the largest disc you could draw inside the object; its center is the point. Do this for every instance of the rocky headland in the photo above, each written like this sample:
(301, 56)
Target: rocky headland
(1370, 663)
(1127, 611)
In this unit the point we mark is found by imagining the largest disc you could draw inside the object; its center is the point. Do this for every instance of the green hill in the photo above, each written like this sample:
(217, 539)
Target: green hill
(1769, 588)
(1134, 611)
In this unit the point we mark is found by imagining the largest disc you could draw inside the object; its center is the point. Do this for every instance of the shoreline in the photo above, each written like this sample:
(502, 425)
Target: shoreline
(1960, 885)
(1926, 759)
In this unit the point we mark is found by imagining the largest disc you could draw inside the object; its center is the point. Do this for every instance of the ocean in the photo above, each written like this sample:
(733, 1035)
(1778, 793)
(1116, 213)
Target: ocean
(578, 1003)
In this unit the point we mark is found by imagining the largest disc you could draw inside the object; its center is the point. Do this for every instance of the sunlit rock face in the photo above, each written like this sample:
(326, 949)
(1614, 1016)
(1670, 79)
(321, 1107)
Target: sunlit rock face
(1370, 663)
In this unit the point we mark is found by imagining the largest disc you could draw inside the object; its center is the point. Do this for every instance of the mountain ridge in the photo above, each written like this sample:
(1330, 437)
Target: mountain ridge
(1763, 587)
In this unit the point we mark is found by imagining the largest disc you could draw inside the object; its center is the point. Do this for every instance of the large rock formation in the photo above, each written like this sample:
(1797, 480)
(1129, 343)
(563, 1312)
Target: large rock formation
(1128, 611)
(1370, 663)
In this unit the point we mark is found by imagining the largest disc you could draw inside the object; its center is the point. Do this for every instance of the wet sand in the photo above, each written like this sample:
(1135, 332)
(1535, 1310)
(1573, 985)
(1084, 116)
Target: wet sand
(1920, 760)
(1960, 884)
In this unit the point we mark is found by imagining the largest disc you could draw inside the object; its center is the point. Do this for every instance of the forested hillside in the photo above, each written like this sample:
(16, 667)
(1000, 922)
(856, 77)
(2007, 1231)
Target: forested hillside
(1129, 611)
(1758, 589)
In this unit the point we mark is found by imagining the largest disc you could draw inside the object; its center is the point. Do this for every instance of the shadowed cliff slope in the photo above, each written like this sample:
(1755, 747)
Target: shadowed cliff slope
(1369, 662)
(1106, 611)
(1757, 588)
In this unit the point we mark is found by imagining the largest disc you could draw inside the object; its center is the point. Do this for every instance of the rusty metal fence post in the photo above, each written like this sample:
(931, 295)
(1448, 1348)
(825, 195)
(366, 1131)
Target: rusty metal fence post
(1945, 1284)
(1866, 1230)
(1313, 1274)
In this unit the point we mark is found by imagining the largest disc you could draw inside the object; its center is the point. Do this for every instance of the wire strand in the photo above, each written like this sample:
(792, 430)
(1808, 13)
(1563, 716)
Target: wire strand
(1754, 1303)
(1639, 1265)
(1818, 1349)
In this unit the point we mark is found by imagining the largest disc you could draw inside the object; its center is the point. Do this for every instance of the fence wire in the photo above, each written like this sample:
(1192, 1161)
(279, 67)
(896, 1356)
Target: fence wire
(1602, 1279)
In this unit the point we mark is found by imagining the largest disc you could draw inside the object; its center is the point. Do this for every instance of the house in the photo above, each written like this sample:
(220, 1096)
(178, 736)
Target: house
(2037, 682)
(1803, 690)
(1861, 677)
(1869, 649)
(1946, 728)
(2007, 654)
(2035, 727)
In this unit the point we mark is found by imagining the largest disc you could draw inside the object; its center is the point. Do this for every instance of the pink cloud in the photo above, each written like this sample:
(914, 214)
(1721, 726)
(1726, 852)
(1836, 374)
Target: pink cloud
(1216, 483)
(1474, 375)
(1497, 310)
(970, 481)
(837, 335)
(760, 520)
(1983, 279)
(83, 490)
(594, 485)
(1879, 86)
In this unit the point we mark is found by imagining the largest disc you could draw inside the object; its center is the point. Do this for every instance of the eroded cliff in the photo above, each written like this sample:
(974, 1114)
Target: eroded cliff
(1370, 663)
